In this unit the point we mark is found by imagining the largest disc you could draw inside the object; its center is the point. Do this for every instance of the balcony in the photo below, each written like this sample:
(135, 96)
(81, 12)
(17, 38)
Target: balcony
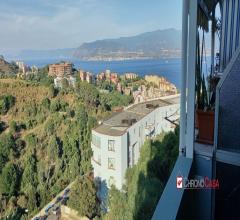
(169, 205)
(217, 157)
(178, 203)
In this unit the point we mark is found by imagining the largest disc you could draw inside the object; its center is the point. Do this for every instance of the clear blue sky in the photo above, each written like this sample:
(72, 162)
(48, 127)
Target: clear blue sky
(43, 24)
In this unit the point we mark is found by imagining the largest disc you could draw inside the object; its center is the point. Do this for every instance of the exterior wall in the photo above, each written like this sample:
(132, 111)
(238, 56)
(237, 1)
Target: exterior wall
(58, 81)
(101, 170)
(149, 126)
(60, 69)
(130, 75)
(230, 36)
(127, 147)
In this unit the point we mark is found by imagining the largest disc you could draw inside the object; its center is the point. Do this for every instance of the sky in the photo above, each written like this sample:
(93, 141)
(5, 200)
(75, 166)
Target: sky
(49, 24)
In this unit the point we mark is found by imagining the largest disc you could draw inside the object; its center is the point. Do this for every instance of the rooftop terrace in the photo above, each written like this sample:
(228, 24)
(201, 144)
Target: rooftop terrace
(118, 123)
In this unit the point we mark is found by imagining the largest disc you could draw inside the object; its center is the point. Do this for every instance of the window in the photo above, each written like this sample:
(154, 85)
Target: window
(111, 146)
(111, 163)
(96, 141)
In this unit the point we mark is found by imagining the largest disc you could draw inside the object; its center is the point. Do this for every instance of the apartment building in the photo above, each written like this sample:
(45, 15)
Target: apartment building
(86, 76)
(22, 67)
(162, 83)
(60, 69)
(130, 75)
(117, 141)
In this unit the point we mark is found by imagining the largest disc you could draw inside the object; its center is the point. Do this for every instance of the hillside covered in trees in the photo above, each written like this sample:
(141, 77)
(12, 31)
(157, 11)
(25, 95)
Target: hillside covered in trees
(45, 137)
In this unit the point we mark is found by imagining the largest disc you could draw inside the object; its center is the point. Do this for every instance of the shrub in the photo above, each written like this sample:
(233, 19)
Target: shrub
(6, 102)
(46, 103)
(13, 126)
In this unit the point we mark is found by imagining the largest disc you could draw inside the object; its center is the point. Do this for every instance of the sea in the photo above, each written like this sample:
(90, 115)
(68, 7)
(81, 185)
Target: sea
(169, 68)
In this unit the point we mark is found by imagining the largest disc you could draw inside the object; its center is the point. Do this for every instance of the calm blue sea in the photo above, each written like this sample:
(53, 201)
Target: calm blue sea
(169, 68)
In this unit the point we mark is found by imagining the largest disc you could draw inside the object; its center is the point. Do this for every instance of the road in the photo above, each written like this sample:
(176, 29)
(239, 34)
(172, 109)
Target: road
(42, 212)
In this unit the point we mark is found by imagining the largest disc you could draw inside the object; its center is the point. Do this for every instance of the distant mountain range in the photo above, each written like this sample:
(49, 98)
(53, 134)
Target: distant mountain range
(156, 44)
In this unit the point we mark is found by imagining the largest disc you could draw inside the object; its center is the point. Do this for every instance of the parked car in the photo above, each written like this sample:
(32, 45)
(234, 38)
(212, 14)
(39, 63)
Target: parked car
(64, 200)
(56, 210)
(48, 208)
(66, 191)
(44, 217)
(59, 198)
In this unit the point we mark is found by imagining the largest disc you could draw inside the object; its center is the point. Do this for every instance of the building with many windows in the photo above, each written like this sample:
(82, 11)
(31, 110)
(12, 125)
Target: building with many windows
(60, 69)
(116, 142)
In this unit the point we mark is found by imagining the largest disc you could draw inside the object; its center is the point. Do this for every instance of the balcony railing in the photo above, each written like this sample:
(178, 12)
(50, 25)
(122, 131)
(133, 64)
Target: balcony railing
(172, 197)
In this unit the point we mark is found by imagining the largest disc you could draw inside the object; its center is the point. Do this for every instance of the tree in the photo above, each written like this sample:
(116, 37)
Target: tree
(46, 103)
(118, 205)
(71, 157)
(9, 180)
(29, 177)
(32, 198)
(55, 105)
(50, 126)
(6, 102)
(2, 126)
(53, 148)
(13, 126)
(115, 98)
(52, 92)
(31, 140)
(88, 94)
(7, 145)
(65, 83)
(22, 201)
(82, 118)
(83, 197)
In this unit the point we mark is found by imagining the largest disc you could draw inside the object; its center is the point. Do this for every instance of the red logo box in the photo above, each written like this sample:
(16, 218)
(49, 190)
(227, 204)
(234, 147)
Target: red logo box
(179, 182)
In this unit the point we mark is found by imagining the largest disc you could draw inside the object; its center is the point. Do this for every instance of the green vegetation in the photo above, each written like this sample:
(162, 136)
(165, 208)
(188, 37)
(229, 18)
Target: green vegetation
(83, 198)
(2, 124)
(145, 181)
(6, 102)
(45, 138)
(41, 77)
(115, 99)
(9, 180)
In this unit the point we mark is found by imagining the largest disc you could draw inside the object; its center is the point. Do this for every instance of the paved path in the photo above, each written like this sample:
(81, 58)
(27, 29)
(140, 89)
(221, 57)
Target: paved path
(42, 211)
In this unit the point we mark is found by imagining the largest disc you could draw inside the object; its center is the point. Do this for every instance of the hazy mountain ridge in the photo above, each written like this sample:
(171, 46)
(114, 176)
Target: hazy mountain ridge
(155, 44)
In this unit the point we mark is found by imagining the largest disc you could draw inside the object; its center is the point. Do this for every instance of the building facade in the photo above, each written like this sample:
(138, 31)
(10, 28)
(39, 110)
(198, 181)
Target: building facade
(86, 76)
(60, 69)
(130, 76)
(116, 142)
(162, 83)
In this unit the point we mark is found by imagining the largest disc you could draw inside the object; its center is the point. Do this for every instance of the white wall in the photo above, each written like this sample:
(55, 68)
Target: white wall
(102, 170)
(132, 135)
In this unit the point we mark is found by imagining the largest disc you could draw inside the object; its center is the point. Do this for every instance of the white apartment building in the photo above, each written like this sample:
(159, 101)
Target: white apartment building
(116, 142)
